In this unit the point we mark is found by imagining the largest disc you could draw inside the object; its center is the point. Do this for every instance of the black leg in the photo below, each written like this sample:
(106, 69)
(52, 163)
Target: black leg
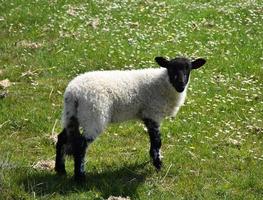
(79, 151)
(78, 144)
(60, 153)
(155, 140)
(70, 141)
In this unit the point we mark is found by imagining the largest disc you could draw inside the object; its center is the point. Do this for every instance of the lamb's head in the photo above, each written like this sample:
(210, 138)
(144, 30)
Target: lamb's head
(179, 70)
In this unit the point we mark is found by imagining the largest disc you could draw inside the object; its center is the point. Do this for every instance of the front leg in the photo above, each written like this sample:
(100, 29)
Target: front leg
(155, 140)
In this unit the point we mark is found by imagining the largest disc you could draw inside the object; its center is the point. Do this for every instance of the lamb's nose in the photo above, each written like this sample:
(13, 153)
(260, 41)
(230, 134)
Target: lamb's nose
(181, 83)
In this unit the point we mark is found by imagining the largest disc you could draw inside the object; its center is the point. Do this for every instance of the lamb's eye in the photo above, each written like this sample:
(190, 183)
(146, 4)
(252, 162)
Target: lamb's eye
(175, 77)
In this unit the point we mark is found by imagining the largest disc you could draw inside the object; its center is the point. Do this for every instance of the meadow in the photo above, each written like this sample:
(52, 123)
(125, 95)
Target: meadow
(213, 149)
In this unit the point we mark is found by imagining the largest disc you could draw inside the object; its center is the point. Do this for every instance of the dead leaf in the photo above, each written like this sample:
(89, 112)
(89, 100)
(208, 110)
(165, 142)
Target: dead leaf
(29, 44)
(72, 11)
(234, 142)
(118, 198)
(133, 24)
(29, 73)
(5, 83)
(45, 165)
(94, 23)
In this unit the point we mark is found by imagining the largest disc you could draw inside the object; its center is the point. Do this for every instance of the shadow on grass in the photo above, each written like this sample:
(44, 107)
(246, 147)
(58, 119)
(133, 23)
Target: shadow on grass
(117, 182)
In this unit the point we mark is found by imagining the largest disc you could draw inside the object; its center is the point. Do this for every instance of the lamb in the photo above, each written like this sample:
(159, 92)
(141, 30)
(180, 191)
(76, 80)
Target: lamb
(95, 99)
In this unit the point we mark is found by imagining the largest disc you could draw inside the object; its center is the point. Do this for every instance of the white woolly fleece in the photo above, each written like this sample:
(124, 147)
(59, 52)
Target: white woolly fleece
(102, 97)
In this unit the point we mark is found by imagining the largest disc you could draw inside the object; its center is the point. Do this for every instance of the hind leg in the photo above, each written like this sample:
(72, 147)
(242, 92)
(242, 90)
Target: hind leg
(60, 153)
(71, 142)
(79, 145)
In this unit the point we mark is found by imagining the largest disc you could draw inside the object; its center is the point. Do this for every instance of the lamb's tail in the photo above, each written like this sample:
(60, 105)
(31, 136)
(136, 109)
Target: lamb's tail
(69, 116)
(70, 122)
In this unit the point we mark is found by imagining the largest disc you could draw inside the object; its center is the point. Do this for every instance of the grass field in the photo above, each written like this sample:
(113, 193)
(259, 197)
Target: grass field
(212, 150)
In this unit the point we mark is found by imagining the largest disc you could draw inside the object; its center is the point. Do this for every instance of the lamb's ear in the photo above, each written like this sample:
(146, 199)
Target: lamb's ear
(161, 61)
(198, 63)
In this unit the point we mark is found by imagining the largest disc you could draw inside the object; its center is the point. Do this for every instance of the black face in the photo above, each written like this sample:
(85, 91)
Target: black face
(179, 70)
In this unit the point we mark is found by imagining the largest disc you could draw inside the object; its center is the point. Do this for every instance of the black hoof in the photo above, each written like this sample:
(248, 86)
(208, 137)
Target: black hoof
(158, 164)
(60, 169)
(80, 177)
(61, 172)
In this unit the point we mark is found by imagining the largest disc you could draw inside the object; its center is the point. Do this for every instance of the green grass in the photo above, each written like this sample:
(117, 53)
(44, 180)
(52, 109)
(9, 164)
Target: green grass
(212, 150)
